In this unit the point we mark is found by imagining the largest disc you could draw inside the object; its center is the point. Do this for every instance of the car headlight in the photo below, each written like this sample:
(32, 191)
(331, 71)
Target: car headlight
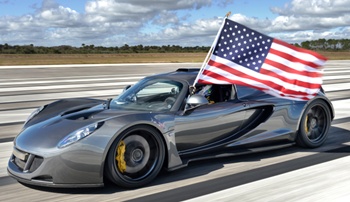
(34, 113)
(79, 134)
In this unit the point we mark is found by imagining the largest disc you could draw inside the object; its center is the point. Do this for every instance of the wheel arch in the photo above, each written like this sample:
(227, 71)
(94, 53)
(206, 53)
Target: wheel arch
(325, 100)
(329, 104)
(165, 141)
(300, 136)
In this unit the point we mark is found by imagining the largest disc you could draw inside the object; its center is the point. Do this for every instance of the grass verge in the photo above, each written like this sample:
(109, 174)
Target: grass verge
(51, 59)
(48, 59)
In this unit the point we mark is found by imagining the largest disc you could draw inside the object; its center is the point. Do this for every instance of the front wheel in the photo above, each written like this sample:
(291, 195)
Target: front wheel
(314, 125)
(136, 157)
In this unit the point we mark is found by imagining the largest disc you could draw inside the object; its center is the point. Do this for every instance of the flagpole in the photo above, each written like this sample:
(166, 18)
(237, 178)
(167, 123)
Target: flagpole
(209, 54)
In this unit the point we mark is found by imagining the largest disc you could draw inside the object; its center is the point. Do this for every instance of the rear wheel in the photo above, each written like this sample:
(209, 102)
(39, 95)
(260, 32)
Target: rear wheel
(136, 157)
(314, 125)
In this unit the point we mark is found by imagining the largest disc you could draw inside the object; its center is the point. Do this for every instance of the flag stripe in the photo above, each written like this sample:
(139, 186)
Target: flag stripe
(304, 56)
(293, 71)
(291, 81)
(317, 57)
(246, 57)
(293, 65)
(211, 77)
(219, 77)
(256, 78)
(243, 72)
(291, 58)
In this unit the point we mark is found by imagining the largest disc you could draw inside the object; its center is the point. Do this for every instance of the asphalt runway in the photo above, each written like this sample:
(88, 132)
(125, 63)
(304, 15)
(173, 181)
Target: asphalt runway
(291, 174)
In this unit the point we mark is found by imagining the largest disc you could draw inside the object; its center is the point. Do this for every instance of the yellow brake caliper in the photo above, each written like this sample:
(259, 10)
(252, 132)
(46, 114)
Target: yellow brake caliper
(120, 157)
(306, 128)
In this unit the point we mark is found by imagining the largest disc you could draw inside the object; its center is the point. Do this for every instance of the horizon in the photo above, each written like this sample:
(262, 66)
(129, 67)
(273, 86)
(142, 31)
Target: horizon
(111, 23)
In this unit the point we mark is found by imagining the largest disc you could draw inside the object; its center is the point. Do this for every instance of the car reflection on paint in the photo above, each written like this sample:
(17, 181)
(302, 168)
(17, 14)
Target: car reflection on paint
(156, 124)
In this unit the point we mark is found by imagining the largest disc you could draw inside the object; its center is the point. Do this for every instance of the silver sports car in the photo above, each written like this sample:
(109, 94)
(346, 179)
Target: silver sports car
(158, 124)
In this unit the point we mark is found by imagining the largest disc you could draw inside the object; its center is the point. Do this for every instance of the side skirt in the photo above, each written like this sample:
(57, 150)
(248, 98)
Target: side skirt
(230, 154)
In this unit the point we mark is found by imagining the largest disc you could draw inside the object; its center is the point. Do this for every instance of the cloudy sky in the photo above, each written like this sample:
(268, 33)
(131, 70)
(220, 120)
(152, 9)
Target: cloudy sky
(165, 22)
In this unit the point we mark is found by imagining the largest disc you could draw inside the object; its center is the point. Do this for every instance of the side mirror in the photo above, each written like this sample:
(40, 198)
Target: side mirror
(195, 101)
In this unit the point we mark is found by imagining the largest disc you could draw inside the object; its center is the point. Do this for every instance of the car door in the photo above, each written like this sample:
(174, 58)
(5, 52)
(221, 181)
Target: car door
(208, 125)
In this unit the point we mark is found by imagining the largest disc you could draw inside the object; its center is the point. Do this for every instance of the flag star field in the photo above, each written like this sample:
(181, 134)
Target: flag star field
(243, 46)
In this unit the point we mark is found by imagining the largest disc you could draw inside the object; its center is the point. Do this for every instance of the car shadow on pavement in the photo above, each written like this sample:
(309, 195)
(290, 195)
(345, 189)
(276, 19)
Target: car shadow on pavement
(334, 144)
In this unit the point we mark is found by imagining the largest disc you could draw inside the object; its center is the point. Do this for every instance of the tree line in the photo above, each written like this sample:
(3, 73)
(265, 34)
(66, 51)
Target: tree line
(318, 45)
(92, 49)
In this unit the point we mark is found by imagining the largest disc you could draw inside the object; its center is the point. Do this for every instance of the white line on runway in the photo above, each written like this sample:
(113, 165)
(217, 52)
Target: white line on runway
(51, 87)
(329, 181)
(79, 77)
(343, 71)
(116, 79)
(45, 96)
(332, 67)
(341, 108)
(94, 79)
(5, 153)
(335, 77)
(56, 96)
(13, 116)
(337, 62)
(94, 65)
(336, 87)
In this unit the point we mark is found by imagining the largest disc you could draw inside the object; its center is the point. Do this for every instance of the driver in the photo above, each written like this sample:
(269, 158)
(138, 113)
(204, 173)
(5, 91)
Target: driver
(205, 91)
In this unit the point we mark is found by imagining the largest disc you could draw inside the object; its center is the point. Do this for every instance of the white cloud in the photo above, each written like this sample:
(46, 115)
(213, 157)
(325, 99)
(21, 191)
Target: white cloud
(138, 9)
(319, 8)
(302, 20)
(166, 18)
(167, 22)
(58, 17)
(198, 33)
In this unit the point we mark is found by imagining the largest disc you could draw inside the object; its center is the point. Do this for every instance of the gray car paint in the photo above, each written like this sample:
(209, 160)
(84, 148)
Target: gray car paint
(206, 128)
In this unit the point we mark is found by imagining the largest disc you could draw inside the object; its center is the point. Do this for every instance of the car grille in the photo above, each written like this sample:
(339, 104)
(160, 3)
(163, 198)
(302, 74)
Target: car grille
(26, 162)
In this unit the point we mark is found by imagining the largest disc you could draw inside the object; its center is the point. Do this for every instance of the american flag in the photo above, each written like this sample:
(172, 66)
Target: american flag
(246, 57)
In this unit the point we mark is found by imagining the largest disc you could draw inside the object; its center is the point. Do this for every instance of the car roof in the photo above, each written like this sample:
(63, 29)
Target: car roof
(185, 74)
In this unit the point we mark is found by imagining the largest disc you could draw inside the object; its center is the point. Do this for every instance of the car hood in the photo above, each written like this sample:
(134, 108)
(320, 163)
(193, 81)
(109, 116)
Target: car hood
(46, 133)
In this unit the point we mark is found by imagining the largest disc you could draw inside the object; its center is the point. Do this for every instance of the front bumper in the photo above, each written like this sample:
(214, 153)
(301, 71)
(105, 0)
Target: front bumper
(71, 169)
(44, 183)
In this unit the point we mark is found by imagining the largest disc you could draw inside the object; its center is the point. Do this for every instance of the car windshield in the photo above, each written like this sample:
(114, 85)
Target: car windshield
(149, 95)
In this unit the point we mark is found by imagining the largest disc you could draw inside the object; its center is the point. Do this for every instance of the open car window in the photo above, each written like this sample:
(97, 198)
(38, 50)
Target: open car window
(217, 93)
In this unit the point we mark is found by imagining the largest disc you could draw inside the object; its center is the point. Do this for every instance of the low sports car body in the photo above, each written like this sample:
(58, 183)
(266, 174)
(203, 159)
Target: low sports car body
(157, 123)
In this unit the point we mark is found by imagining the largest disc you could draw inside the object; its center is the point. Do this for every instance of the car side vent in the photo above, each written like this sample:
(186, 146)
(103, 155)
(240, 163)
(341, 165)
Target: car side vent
(187, 70)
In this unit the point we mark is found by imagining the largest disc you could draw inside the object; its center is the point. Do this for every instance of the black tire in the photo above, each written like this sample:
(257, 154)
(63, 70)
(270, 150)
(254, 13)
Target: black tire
(314, 125)
(142, 160)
